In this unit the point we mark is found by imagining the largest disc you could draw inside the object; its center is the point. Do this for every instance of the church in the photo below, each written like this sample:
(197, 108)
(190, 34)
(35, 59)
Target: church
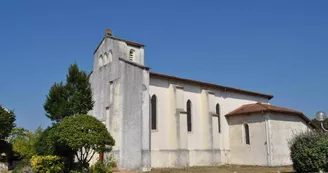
(159, 120)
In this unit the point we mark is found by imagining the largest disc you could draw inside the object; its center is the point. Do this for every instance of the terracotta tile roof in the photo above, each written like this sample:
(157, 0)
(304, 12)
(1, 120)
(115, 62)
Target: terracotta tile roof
(261, 107)
(205, 84)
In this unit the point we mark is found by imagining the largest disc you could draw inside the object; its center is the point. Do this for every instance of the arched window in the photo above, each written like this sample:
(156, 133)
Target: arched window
(100, 61)
(218, 113)
(189, 122)
(247, 139)
(154, 112)
(105, 58)
(110, 57)
(132, 55)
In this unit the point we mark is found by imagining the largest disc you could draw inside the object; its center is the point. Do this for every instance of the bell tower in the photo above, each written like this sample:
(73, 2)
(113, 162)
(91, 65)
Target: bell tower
(120, 85)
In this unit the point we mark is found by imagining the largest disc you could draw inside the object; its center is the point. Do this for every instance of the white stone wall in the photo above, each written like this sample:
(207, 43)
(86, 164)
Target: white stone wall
(283, 128)
(172, 145)
(269, 136)
(120, 91)
(256, 152)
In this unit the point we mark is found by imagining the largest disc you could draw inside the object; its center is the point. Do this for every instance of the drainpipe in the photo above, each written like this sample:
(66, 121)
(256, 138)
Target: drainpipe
(268, 142)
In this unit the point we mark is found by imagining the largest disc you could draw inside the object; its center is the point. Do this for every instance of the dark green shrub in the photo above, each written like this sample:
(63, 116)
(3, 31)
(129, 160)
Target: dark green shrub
(309, 152)
(47, 144)
(100, 167)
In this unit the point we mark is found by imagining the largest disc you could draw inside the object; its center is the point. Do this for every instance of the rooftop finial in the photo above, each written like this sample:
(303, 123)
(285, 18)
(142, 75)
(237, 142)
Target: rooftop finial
(108, 32)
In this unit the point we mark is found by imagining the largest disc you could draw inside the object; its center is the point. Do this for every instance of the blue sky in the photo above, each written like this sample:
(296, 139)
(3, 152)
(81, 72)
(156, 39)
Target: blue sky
(276, 47)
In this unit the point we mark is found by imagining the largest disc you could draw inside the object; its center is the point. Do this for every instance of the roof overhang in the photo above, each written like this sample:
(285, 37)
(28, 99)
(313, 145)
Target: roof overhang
(205, 84)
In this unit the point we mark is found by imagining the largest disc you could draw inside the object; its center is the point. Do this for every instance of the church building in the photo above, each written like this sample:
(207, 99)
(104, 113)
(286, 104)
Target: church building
(159, 120)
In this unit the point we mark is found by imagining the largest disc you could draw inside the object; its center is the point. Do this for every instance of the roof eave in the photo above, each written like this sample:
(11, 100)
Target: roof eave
(268, 96)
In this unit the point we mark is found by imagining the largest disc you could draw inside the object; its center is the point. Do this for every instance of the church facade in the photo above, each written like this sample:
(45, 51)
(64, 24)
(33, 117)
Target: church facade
(159, 120)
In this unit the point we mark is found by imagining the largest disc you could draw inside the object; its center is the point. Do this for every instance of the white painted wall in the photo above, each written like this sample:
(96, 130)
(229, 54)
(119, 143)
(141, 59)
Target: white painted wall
(203, 124)
(283, 128)
(269, 136)
(139, 54)
(242, 153)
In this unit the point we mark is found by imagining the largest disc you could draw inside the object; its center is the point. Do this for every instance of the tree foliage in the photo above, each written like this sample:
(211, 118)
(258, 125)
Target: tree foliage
(47, 164)
(72, 98)
(48, 144)
(309, 152)
(86, 135)
(23, 142)
(7, 122)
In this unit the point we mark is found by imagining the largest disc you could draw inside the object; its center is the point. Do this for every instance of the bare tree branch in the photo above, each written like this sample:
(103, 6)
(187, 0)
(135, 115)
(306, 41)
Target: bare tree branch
(92, 156)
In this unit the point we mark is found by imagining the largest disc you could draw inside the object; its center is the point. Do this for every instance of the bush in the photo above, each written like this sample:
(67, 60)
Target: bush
(100, 167)
(23, 142)
(309, 152)
(47, 164)
(111, 162)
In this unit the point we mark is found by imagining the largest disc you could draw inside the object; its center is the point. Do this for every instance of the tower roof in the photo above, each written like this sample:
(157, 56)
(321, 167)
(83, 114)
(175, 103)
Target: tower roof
(109, 34)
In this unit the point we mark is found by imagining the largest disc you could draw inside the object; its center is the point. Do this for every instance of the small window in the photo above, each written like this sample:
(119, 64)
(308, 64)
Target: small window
(189, 121)
(100, 61)
(218, 113)
(154, 112)
(247, 139)
(132, 55)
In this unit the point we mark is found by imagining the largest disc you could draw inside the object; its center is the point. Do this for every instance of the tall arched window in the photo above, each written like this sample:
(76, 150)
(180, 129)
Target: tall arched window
(154, 112)
(246, 128)
(218, 113)
(189, 122)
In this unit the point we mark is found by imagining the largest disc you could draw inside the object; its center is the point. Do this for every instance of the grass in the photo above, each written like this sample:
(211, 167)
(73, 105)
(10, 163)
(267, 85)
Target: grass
(226, 169)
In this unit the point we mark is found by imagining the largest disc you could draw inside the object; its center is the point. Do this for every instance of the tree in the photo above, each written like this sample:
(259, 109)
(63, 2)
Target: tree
(48, 144)
(24, 141)
(72, 98)
(7, 122)
(86, 135)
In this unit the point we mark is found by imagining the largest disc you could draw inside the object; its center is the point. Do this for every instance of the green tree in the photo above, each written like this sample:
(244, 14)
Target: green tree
(48, 144)
(24, 142)
(86, 135)
(72, 98)
(7, 122)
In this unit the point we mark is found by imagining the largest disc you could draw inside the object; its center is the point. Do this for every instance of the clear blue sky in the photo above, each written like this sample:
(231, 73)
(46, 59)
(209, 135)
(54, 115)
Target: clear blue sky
(275, 47)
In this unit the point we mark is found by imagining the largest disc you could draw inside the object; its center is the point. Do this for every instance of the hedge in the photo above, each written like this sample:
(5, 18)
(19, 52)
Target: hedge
(309, 151)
